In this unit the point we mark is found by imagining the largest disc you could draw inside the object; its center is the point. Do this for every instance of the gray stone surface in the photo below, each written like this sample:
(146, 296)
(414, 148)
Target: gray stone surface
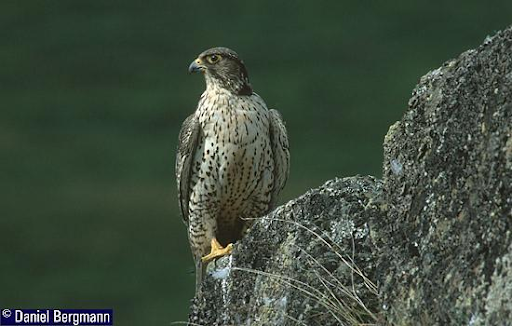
(434, 236)
(450, 205)
(301, 265)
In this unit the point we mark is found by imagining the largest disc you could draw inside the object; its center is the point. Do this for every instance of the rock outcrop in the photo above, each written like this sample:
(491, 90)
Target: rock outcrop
(303, 263)
(448, 182)
(430, 244)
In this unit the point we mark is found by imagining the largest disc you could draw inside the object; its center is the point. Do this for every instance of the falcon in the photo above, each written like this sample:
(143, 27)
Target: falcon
(232, 158)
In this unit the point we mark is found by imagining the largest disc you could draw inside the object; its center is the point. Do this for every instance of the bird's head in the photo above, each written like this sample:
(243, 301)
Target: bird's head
(222, 68)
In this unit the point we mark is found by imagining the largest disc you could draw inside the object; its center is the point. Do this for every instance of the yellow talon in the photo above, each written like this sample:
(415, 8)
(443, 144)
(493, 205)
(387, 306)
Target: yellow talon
(217, 251)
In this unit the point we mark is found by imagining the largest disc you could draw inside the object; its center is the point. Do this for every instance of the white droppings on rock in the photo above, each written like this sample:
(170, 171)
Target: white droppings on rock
(282, 302)
(267, 301)
(221, 274)
(396, 167)
(472, 320)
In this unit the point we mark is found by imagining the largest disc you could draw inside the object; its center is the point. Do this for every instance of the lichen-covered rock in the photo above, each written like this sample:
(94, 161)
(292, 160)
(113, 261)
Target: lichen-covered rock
(446, 240)
(435, 236)
(308, 262)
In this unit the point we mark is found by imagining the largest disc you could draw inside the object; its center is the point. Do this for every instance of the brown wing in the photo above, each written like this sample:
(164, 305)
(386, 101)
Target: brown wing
(187, 144)
(281, 153)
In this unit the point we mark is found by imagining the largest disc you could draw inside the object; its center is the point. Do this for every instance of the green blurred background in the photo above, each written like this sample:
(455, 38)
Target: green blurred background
(93, 94)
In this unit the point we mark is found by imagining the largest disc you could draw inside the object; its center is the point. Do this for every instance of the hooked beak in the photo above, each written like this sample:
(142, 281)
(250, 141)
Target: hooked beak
(196, 65)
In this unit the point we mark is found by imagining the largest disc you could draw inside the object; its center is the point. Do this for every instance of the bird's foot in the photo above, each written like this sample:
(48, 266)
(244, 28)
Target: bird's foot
(217, 251)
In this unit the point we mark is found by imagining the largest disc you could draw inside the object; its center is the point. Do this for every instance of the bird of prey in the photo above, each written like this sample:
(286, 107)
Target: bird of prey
(232, 158)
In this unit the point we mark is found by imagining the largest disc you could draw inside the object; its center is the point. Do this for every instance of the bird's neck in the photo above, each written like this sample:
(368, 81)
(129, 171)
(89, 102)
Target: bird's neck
(234, 86)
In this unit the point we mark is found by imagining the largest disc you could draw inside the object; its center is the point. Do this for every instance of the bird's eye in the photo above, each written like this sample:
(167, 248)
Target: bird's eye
(213, 58)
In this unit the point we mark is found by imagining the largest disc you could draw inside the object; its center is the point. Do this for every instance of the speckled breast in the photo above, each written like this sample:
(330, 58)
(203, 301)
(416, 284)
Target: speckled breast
(234, 151)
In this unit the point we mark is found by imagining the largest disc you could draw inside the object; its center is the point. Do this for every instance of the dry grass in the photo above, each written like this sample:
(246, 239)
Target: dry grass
(339, 300)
